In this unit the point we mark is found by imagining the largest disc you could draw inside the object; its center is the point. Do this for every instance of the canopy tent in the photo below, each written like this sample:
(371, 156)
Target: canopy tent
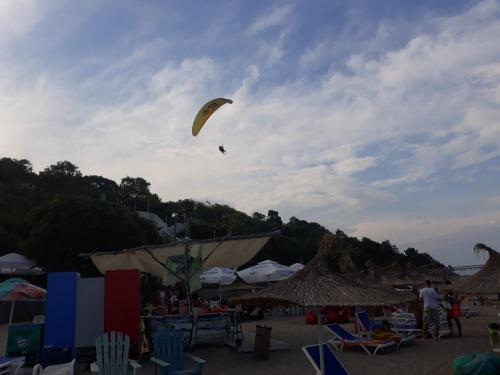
(319, 285)
(265, 271)
(232, 252)
(218, 275)
(486, 281)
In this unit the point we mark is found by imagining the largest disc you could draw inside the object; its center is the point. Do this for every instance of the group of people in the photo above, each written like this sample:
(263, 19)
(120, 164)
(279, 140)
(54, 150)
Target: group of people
(451, 304)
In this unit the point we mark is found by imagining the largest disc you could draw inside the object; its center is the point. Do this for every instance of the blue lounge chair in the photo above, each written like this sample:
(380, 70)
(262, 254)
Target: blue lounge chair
(332, 364)
(169, 354)
(343, 338)
(366, 330)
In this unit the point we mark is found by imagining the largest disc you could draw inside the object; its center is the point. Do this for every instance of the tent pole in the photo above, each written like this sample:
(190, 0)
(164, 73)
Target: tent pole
(320, 342)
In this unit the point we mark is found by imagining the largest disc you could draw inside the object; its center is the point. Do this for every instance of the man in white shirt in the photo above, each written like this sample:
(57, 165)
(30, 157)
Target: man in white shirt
(431, 312)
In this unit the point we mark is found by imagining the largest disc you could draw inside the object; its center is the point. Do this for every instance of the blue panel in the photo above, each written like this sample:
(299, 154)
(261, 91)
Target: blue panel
(60, 317)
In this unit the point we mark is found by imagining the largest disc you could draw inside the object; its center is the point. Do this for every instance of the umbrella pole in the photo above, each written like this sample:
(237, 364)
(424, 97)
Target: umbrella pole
(12, 311)
(320, 342)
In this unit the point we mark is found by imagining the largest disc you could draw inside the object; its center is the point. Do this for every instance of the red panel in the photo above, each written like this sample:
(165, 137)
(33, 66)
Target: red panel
(122, 305)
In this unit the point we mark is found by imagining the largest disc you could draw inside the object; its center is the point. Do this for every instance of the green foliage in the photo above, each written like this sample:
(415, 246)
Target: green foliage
(57, 214)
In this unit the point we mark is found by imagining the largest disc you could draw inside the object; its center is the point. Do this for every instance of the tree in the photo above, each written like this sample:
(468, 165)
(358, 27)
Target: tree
(274, 220)
(14, 171)
(62, 177)
(64, 227)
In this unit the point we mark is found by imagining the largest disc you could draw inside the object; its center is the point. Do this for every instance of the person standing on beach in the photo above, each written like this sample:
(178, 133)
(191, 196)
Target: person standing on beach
(453, 313)
(431, 312)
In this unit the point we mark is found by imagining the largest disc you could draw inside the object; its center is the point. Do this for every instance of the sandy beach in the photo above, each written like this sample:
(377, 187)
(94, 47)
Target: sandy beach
(421, 357)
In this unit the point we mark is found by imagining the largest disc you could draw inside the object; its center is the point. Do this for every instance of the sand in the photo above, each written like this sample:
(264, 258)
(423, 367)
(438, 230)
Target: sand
(422, 357)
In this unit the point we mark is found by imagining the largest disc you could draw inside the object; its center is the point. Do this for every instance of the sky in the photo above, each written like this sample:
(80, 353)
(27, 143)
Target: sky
(381, 118)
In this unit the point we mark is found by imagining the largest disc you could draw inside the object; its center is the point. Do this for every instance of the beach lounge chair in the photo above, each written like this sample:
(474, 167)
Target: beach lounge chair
(332, 364)
(112, 355)
(169, 354)
(61, 369)
(11, 365)
(343, 338)
(404, 323)
(366, 330)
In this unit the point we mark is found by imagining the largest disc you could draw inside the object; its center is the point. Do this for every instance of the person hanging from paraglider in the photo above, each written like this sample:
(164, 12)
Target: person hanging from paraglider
(205, 112)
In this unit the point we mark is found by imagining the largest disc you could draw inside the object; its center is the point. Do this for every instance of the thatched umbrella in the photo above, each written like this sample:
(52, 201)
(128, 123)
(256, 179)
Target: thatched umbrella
(486, 281)
(319, 285)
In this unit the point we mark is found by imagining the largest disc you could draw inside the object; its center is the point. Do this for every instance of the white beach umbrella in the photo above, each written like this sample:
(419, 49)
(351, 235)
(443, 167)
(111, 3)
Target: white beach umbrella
(218, 275)
(15, 262)
(265, 271)
(296, 267)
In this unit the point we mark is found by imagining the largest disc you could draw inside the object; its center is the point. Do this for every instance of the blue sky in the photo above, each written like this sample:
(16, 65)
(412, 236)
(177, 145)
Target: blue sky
(380, 118)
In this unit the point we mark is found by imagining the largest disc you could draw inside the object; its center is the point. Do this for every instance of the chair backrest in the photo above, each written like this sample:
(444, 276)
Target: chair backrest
(169, 347)
(112, 353)
(339, 331)
(364, 320)
(332, 364)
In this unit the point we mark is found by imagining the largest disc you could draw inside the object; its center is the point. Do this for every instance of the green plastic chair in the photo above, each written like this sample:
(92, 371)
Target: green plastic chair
(112, 355)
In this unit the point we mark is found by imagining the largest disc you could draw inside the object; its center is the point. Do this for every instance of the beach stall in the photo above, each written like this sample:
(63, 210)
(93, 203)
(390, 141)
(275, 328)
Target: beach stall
(170, 276)
(318, 285)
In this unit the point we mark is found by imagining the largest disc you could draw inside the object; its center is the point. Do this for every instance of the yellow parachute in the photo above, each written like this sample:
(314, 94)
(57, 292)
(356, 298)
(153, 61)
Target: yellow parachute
(206, 111)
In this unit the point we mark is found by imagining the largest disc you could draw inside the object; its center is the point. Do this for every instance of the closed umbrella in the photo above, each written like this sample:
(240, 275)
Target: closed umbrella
(265, 271)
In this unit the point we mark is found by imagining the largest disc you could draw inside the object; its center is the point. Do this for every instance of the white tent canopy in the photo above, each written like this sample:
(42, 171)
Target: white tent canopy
(218, 275)
(296, 267)
(16, 262)
(265, 271)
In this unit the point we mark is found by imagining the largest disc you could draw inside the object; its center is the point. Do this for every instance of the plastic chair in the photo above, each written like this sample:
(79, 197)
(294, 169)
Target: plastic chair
(169, 354)
(112, 355)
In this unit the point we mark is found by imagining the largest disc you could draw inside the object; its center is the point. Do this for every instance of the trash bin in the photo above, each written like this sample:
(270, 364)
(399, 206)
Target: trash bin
(262, 346)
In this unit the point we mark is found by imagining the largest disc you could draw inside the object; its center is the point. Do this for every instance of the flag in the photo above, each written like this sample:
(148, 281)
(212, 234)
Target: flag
(171, 269)
(195, 269)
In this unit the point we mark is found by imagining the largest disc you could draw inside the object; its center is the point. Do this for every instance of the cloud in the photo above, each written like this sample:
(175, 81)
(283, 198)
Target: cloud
(275, 17)
(348, 146)
(18, 17)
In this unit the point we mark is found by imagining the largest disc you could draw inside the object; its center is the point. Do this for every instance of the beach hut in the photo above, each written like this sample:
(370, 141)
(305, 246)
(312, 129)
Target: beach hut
(484, 282)
(318, 285)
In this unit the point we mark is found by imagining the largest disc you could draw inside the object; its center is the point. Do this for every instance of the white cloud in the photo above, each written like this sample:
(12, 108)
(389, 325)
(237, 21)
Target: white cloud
(18, 17)
(300, 146)
(275, 17)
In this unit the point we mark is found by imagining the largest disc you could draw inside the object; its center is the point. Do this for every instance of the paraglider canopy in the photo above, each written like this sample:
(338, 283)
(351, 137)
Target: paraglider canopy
(206, 111)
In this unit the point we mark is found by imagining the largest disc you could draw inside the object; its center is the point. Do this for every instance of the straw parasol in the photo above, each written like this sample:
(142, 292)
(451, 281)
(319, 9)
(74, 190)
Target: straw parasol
(319, 285)
(486, 281)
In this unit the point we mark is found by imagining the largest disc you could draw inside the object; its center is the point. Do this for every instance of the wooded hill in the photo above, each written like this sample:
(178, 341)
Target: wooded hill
(58, 213)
